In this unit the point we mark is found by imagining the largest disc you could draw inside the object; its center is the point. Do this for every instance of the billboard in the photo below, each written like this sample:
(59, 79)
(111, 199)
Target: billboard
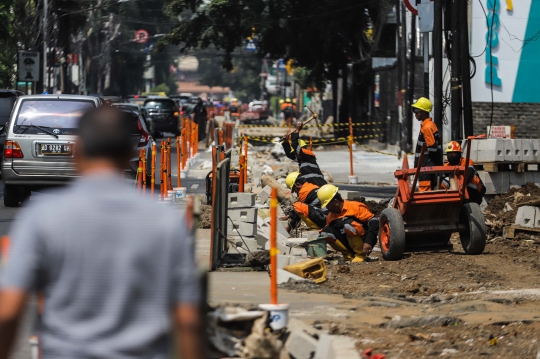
(29, 66)
(504, 45)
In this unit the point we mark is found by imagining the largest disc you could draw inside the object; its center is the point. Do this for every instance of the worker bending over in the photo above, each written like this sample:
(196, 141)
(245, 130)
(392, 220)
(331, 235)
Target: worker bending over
(475, 187)
(350, 228)
(308, 207)
(429, 135)
(297, 151)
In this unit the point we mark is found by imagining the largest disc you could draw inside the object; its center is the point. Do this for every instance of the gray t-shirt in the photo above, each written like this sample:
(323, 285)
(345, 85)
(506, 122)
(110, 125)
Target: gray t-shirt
(111, 264)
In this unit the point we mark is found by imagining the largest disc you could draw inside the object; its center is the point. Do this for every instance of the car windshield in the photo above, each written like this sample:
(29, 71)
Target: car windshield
(57, 114)
(159, 105)
(7, 100)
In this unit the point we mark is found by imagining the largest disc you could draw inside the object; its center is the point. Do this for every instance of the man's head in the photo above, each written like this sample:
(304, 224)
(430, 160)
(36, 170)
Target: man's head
(199, 100)
(104, 139)
(330, 198)
(453, 153)
(422, 108)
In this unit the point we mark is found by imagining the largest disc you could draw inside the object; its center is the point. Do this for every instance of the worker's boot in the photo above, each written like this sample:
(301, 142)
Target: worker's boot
(357, 244)
(339, 247)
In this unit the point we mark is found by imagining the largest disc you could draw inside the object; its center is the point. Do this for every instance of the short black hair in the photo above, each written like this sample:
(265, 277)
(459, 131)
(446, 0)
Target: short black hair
(105, 133)
(338, 197)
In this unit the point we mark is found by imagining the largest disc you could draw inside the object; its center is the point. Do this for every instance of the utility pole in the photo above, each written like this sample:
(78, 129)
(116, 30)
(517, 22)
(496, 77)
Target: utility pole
(465, 70)
(401, 18)
(45, 44)
(410, 91)
(437, 67)
(455, 81)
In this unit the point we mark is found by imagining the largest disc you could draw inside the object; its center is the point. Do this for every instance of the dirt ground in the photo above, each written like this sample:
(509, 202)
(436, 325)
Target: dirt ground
(476, 319)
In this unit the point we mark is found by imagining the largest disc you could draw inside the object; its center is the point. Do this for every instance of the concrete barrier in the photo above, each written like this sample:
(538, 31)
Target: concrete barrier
(243, 214)
(247, 244)
(492, 150)
(528, 216)
(241, 228)
(241, 200)
(496, 182)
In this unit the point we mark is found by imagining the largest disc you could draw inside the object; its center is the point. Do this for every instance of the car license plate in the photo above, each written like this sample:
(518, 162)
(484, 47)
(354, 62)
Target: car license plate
(49, 149)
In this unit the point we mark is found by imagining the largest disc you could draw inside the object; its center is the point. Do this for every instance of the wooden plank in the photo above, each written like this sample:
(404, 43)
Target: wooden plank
(510, 232)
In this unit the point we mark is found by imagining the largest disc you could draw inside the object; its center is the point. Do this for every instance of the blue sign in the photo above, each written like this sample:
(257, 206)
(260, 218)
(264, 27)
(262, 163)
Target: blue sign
(251, 45)
(281, 65)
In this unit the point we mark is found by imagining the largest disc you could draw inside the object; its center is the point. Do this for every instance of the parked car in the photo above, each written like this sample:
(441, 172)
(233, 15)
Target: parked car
(144, 112)
(142, 137)
(165, 114)
(7, 101)
(38, 151)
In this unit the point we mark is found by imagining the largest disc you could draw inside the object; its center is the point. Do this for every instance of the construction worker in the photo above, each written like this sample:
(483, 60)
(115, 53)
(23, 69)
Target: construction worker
(288, 112)
(297, 151)
(351, 228)
(308, 207)
(282, 104)
(429, 135)
(475, 187)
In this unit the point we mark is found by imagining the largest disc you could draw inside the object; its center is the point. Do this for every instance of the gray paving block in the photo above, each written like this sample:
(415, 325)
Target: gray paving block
(301, 252)
(296, 242)
(283, 277)
(241, 228)
(301, 345)
(243, 214)
(241, 200)
(246, 244)
(281, 228)
(263, 234)
(336, 347)
(264, 195)
(349, 194)
(528, 216)
(310, 235)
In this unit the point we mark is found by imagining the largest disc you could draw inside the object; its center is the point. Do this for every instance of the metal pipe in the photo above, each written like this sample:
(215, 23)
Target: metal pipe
(417, 173)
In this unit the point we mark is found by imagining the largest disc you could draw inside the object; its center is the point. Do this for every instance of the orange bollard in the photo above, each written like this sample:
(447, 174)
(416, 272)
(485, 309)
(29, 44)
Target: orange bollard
(143, 158)
(241, 164)
(350, 146)
(4, 248)
(169, 165)
(139, 173)
(246, 161)
(153, 173)
(162, 171)
(273, 247)
(196, 139)
(311, 144)
(184, 149)
(178, 170)
(220, 137)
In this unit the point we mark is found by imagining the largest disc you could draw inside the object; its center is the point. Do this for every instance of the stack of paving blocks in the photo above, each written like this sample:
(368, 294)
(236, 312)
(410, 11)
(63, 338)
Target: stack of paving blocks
(519, 157)
(242, 225)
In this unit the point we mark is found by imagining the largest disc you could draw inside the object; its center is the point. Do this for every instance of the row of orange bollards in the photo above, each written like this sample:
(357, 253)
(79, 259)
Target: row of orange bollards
(186, 146)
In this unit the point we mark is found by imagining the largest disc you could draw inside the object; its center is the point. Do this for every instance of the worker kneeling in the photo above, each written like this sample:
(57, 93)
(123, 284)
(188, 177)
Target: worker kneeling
(308, 207)
(475, 187)
(350, 228)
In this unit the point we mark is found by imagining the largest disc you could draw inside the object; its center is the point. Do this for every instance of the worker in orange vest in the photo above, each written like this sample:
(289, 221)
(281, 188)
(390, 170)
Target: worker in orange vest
(475, 187)
(350, 228)
(308, 207)
(429, 136)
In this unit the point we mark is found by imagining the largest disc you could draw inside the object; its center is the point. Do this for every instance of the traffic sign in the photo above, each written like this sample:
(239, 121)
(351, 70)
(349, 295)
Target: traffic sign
(141, 36)
(281, 65)
(251, 46)
(29, 66)
(413, 8)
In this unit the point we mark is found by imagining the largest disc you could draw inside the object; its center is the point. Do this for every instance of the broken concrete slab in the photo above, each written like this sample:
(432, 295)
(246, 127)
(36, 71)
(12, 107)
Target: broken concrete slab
(301, 252)
(264, 195)
(242, 244)
(241, 200)
(283, 277)
(428, 320)
(243, 214)
(296, 242)
(527, 216)
(241, 228)
(281, 228)
(336, 347)
(301, 345)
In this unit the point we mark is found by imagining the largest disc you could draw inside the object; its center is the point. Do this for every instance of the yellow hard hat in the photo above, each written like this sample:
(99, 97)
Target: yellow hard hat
(291, 179)
(281, 101)
(453, 146)
(288, 100)
(294, 100)
(302, 143)
(327, 193)
(423, 104)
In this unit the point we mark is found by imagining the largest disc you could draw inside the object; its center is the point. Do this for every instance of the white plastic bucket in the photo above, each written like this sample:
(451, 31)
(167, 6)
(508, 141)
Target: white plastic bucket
(353, 180)
(170, 194)
(279, 315)
(180, 192)
(183, 174)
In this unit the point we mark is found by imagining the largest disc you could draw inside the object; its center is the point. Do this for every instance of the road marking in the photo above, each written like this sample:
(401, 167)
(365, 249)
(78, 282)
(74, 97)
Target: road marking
(195, 186)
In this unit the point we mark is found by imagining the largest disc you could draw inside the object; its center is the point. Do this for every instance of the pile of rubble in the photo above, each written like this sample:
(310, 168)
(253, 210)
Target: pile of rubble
(243, 333)
(515, 214)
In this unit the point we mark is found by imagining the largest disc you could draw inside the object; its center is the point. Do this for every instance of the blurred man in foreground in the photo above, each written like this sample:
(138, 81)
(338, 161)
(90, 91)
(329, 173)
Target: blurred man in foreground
(116, 271)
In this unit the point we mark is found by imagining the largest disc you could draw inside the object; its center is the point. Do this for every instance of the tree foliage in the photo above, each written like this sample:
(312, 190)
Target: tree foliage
(322, 36)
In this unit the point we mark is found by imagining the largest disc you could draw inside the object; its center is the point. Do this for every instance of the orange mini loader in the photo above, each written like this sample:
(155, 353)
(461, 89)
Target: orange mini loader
(417, 221)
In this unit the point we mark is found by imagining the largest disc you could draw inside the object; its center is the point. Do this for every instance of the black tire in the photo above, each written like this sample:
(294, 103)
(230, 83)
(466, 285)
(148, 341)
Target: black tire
(474, 239)
(12, 196)
(391, 234)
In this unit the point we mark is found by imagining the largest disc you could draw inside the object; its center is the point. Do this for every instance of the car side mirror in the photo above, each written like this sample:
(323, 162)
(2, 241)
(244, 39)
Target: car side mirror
(2, 129)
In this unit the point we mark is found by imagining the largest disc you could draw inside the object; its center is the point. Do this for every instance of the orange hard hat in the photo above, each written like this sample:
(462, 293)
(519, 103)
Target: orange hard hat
(453, 146)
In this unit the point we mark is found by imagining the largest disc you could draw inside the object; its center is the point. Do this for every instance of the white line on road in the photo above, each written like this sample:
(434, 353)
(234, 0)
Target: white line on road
(195, 186)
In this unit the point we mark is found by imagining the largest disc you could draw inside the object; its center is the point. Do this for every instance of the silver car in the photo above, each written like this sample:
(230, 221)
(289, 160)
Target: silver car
(38, 151)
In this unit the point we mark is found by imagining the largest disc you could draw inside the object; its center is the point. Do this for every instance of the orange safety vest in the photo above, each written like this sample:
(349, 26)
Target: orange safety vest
(357, 211)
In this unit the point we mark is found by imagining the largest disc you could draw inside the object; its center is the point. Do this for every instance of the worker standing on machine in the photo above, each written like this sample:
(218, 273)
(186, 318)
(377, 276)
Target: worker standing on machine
(475, 187)
(297, 151)
(350, 228)
(429, 135)
(308, 207)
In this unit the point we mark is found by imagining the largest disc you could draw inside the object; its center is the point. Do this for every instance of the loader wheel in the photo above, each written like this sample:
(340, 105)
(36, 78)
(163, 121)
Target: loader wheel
(473, 240)
(391, 234)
